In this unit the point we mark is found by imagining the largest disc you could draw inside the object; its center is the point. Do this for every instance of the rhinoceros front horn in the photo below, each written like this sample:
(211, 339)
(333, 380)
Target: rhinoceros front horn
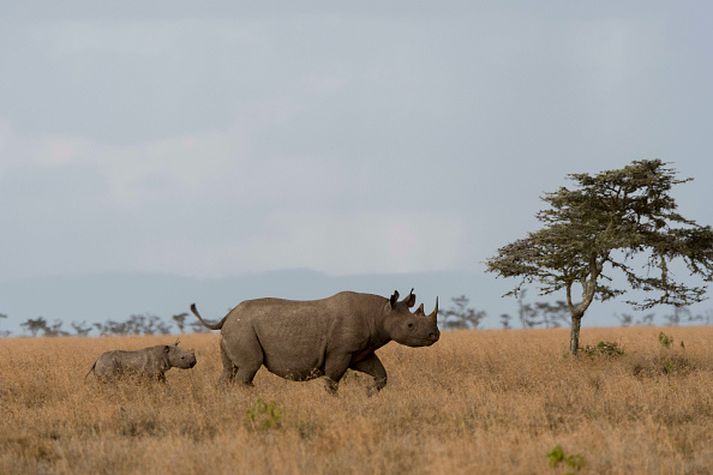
(434, 315)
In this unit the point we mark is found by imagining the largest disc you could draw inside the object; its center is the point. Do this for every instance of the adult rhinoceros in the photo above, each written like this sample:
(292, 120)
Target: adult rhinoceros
(302, 340)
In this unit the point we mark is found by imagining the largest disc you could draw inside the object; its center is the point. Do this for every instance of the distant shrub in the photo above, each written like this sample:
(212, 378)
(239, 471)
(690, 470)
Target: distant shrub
(669, 362)
(264, 415)
(664, 365)
(609, 349)
(557, 457)
(666, 341)
(676, 364)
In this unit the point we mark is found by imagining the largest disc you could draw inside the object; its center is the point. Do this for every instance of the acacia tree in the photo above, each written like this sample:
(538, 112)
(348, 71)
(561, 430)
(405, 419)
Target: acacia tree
(180, 320)
(81, 328)
(621, 220)
(3, 332)
(35, 325)
(460, 315)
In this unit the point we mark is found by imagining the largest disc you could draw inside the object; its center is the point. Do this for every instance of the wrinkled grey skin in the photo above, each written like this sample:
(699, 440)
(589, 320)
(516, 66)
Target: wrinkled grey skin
(303, 340)
(149, 363)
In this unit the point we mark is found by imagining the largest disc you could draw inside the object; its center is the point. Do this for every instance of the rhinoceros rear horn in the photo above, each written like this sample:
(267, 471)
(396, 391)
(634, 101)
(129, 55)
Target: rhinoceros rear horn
(434, 315)
(420, 310)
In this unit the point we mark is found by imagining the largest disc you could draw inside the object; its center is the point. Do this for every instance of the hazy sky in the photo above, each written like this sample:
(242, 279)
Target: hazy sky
(212, 139)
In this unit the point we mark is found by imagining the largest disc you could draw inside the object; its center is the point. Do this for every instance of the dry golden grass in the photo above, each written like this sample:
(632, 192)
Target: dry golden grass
(476, 402)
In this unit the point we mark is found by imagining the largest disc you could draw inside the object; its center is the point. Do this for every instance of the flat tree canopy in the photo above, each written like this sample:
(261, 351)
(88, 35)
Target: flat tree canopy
(614, 221)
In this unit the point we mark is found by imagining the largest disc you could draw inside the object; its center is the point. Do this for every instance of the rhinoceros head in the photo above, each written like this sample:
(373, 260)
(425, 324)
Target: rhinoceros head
(180, 358)
(410, 328)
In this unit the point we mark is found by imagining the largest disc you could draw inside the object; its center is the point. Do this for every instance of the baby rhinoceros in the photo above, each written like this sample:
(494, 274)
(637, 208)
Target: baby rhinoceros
(149, 363)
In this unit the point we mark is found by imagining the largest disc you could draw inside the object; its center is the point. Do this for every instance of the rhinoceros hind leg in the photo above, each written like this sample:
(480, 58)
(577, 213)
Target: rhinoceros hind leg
(241, 360)
(245, 374)
(229, 368)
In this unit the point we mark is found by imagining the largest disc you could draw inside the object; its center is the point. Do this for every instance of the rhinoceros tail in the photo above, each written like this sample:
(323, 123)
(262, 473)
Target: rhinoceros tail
(212, 326)
(91, 370)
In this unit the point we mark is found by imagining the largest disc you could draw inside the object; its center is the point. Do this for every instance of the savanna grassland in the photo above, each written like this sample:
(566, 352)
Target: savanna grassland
(476, 402)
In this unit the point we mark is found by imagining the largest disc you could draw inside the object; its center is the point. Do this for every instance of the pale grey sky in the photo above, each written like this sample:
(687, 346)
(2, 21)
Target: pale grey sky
(214, 139)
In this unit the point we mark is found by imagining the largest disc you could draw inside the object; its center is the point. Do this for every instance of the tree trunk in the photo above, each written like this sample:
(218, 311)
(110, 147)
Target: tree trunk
(574, 335)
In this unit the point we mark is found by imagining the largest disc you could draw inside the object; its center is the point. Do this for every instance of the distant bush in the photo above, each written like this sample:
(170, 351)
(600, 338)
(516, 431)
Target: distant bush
(609, 349)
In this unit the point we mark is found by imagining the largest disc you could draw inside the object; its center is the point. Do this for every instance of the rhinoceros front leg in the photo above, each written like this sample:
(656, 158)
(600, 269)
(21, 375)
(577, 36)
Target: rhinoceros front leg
(372, 366)
(334, 368)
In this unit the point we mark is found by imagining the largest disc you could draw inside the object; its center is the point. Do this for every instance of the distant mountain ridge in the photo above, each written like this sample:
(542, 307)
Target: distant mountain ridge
(99, 297)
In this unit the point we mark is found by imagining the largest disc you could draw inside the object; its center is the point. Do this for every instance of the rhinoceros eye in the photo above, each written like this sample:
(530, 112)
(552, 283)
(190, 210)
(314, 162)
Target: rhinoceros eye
(410, 324)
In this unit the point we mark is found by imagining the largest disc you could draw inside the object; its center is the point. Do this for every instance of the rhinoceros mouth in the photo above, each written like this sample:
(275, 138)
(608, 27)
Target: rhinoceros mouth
(426, 342)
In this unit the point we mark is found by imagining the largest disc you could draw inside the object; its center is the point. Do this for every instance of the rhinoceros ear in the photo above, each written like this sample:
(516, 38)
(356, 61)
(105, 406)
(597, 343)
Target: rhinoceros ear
(394, 298)
(178, 340)
(410, 301)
